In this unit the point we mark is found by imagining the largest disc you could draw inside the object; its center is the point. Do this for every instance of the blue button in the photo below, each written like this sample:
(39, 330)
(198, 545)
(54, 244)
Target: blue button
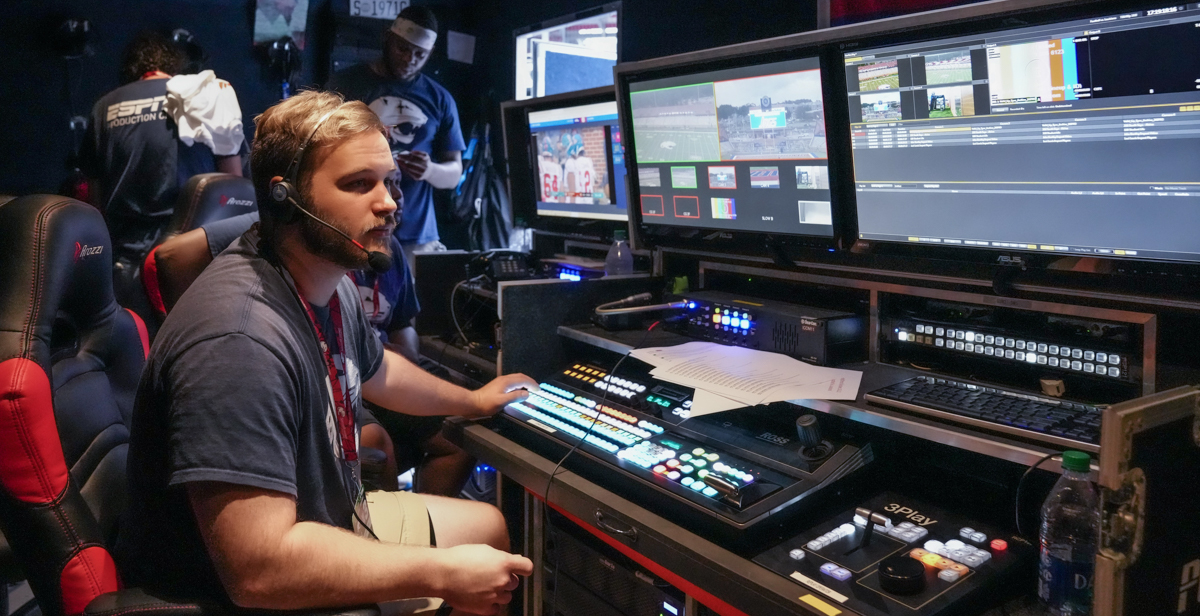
(708, 491)
(745, 323)
(725, 320)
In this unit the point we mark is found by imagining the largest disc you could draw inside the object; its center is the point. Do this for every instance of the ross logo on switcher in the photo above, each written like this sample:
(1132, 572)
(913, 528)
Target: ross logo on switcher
(774, 439)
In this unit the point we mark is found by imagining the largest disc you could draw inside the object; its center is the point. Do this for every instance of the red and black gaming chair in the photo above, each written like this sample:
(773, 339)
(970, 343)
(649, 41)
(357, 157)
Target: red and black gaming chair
(205, 198)
(70, 361)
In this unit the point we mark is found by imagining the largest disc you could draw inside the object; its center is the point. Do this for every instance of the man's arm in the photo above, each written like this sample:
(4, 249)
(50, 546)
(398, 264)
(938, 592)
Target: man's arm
(400, 386)
(442, 174)
(230, 164)
(267, 559)
(405, 341)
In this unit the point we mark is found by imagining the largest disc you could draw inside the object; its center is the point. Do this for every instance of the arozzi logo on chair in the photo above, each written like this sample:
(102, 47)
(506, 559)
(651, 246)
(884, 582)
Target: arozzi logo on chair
(83, 250)
(226, 200)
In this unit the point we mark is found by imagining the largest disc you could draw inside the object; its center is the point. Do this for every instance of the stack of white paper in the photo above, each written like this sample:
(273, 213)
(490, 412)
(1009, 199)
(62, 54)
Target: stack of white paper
(729, 377)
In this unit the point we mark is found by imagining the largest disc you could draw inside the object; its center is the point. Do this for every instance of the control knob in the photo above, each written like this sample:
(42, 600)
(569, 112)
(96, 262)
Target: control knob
(901, 575)
(808, 433)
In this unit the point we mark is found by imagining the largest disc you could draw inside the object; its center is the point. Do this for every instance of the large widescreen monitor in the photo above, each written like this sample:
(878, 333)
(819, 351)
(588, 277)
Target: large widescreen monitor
(580, 165)
(739, 149)
(1079, 138)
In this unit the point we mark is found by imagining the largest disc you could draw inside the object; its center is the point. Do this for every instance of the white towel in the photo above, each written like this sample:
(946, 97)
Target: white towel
(206, 110)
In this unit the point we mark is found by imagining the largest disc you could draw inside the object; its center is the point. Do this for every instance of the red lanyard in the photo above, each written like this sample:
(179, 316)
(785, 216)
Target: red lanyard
(341, 396)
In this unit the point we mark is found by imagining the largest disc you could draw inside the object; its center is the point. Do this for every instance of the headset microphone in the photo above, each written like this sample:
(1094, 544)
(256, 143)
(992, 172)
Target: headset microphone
(379, 262)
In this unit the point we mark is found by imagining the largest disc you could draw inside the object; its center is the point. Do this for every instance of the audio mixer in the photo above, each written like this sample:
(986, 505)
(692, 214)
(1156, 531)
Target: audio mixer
(894, 555)
(735, 476)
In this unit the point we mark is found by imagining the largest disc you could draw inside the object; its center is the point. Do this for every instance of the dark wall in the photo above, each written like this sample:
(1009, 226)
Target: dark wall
(35, 138)
(42, 91)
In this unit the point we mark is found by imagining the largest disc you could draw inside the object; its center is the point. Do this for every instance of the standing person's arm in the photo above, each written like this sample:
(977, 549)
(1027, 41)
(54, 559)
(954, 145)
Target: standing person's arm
(441, 174)
(230, 164)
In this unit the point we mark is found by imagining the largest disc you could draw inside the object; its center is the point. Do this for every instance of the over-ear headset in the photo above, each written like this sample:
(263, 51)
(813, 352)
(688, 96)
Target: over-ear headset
(284, 194)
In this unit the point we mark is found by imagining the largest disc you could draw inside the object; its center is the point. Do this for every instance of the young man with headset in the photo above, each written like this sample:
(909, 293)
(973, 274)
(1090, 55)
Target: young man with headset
(245, 484)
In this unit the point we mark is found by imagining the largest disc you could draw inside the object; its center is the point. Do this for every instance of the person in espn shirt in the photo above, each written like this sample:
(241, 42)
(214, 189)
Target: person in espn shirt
(137, 157)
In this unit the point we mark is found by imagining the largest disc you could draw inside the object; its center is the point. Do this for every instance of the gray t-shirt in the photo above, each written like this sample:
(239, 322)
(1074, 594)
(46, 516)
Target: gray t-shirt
(236, 390)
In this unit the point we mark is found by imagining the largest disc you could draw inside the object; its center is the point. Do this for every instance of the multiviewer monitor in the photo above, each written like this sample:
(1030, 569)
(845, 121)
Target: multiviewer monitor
(580, 165)
(1074, 138)
(735, 149)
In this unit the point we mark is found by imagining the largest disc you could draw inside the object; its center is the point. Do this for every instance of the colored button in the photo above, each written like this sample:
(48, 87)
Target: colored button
(674, 475)
(712, 457)
(700, 463)
(999, 545)
(709, 491)
(686, 468)
(917, 553)
(948, 575)
(660, 469)
(699, 451)
(796, 554)
(931, 559)
(672, 463)
(702, 473)
(685, 457)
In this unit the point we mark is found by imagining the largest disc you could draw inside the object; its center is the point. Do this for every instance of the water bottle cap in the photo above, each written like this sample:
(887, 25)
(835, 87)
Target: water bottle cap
(1076, 461)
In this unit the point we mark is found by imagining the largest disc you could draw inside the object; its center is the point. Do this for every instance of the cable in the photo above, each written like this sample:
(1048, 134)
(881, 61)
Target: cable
(1021, 483)
(603, 399)
(453, 316)
(553, 473)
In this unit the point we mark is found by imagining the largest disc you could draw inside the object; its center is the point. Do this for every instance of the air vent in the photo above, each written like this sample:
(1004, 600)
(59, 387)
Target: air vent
(786, 337)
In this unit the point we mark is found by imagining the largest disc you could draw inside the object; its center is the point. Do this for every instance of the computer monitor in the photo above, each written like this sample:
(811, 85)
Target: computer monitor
(1078, 137)
(739, 149)
(590, 112)
(580, 170)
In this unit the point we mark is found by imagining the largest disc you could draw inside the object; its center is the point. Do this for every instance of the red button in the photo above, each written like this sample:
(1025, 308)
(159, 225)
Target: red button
(999, 545)
(660, 469)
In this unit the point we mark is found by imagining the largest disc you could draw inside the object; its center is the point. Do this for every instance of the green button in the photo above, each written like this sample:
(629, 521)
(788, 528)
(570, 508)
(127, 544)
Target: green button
(671, 444)
(699, 451)
(685, 457)
(702, 473)
(699, 463)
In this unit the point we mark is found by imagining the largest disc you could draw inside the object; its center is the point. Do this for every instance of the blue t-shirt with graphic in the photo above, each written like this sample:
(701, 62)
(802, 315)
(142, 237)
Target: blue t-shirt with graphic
(421, 116)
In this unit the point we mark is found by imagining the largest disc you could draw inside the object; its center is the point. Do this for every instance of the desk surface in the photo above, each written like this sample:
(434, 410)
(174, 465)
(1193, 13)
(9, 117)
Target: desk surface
(722, 580)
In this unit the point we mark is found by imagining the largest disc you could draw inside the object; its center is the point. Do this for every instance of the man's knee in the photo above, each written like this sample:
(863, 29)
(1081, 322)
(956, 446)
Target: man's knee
(495, 526)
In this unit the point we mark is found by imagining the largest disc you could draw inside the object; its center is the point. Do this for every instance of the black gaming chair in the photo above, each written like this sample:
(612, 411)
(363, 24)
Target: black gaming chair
(70, 361)
(205, 198)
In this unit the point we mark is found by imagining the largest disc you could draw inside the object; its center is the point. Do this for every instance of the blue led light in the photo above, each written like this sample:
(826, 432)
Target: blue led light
(745, 323)
(724, 319)
(691, 305)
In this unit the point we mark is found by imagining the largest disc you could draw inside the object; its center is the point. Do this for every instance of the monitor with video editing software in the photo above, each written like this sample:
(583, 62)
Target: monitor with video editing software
(738, 149)
(1078, 137)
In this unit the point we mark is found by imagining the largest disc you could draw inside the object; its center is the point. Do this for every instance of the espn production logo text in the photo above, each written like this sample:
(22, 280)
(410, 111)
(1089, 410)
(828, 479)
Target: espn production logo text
(125, 113)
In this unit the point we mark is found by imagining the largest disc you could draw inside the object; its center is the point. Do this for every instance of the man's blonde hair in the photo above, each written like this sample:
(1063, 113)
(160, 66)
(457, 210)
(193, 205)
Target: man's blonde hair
(282, 129)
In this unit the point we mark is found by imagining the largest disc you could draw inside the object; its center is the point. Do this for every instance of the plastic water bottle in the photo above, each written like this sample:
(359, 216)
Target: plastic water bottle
(1070, 532)
(620, 256)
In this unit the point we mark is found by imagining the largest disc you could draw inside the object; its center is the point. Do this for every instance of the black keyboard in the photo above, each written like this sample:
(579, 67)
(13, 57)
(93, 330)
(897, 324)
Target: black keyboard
(1048, 420)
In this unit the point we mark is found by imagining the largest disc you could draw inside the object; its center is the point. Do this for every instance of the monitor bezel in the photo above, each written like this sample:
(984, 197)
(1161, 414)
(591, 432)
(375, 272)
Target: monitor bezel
(710, 238)
(522, 164)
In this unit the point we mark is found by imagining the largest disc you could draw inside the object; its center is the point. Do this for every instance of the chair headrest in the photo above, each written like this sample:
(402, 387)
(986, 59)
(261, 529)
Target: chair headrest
(57, 259)
(209, 197)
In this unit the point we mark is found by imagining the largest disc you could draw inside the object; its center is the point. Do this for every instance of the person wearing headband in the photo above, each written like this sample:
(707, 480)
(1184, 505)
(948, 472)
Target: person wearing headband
(422, 118)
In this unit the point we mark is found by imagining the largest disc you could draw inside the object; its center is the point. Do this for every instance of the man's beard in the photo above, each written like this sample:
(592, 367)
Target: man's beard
(327, 244)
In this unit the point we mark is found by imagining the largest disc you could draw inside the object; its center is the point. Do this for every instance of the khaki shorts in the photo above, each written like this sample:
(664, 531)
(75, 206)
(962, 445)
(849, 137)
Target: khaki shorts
(401, 517)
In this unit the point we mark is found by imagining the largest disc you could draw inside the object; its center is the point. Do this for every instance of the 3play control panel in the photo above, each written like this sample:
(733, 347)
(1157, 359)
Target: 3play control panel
(635, 425)
(896, 555)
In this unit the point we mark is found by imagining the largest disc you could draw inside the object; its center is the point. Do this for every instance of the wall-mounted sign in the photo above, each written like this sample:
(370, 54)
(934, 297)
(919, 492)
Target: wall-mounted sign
(378, 9)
